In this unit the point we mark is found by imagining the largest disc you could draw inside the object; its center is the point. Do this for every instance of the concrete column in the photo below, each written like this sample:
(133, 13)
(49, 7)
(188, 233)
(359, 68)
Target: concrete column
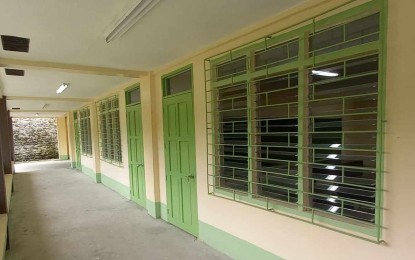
(5, 137)
(148, 103)
(11, 138)
(95, 138)
(71, 138)
(3, 196)
(62, 138)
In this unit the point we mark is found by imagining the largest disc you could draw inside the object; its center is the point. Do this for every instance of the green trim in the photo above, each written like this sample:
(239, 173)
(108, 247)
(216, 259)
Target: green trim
(63, 157)
(306, 61)
(115, 186)
(96, 176)
(164, 215)
(153, 208)
(73, 164)
(173, 73)
(232, 245)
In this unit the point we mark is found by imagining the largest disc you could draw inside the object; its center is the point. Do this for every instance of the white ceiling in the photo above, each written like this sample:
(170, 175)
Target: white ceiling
(73, 32)
(38, 105)
(42, 83)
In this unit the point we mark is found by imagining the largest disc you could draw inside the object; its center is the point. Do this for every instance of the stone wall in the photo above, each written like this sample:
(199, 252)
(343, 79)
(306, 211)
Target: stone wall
(35, 139)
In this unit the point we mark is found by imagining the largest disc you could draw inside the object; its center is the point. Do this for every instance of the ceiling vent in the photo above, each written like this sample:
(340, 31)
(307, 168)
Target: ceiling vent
(14, 72)
(13, 43)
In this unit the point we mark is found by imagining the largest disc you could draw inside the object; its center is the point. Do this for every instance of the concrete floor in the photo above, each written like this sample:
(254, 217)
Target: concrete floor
(60, 213)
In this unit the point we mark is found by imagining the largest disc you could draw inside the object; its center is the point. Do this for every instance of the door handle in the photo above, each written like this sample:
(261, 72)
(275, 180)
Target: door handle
(138, 165)
(191, 176)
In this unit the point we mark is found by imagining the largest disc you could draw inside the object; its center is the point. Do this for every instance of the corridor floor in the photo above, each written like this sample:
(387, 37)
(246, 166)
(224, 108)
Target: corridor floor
(60, 213)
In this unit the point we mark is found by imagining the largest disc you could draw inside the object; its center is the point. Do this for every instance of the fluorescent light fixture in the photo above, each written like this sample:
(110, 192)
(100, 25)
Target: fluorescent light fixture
(37, 114)
(332, 188)
(335, 145)
(332, 156)
(128, 19)
(331, 200)
(334, 209)
(61, 88)
(330, 167)
(324, 73)
(331, 177)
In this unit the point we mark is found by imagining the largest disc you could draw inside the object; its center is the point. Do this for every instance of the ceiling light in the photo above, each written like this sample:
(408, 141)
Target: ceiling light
(131, 17)
(61, 88)
(332, 188)
(330, 167)
(331, 177)
(331, 200)
(335, 145)
(332, 156)
(37, 114)
(334, 209)
(324, 73)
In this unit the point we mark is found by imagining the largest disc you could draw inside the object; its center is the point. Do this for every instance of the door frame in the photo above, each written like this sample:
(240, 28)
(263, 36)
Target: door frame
(163, 96)
(126, 94)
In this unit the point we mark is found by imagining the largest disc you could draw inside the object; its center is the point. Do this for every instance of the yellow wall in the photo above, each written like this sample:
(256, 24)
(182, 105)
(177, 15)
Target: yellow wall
(283, 236)
(62, 138)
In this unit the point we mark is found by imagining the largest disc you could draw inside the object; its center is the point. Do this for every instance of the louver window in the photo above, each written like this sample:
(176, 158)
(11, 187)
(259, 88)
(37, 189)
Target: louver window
(109, 130)
(294, 122)
(85, 128)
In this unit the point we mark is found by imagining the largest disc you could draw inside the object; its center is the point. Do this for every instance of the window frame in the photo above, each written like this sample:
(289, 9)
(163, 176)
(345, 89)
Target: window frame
(109, 131)
(367, 231)
(84, 118)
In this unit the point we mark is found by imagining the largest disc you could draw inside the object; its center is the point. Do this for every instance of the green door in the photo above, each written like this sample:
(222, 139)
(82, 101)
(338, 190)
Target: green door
(179, 138)
(136, 155)
(77, 141)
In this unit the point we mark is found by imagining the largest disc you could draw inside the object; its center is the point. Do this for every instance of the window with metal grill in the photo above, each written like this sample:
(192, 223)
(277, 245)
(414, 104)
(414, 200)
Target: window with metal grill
(295, 131)
(85, 129)
(109, 130)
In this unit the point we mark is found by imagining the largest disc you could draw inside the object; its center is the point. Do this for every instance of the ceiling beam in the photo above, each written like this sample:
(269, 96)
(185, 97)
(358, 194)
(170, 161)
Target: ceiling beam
(72, 68)
(37, 111)
(50, 99)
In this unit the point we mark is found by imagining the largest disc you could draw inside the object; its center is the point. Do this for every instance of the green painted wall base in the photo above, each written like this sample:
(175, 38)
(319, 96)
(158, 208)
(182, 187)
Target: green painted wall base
(157, 210)
(63, 157)
(163, 208)
(116, 186)
(231, 245)
(95, 176)
(73, 164)
(153, 209)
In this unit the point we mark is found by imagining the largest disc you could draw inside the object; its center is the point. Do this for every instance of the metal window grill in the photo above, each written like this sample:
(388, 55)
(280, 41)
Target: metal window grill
(109, 130)
(295, 122)
(85, 131)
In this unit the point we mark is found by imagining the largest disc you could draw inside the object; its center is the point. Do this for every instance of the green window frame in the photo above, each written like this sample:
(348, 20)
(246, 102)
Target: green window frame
(109, 130)
(133, 95)
(295, 121)
(85, 131)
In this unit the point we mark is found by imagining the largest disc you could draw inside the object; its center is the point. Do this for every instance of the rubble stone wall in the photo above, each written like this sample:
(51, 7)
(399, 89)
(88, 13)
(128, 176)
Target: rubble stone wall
(35, 139)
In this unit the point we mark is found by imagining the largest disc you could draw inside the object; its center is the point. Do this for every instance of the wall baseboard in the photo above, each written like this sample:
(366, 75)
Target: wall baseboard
(232, 245)
(115, 186)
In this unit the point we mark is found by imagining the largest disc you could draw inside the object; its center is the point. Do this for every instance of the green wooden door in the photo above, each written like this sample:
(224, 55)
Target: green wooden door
(77, 141)
(179, 138)
(136, 154)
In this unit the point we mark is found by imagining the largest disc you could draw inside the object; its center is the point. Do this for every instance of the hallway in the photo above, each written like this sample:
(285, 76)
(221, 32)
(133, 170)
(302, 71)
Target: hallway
(59, 213)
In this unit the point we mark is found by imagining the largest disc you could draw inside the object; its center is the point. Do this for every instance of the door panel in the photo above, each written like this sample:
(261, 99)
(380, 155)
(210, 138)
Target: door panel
(136, 155)
(180, 162)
